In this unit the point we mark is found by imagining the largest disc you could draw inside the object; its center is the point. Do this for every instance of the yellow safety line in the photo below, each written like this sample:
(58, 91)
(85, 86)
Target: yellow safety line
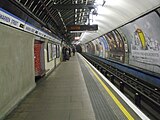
(126, 113)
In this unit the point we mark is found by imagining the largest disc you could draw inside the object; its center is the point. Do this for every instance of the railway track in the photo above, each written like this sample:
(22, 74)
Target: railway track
(145, 96)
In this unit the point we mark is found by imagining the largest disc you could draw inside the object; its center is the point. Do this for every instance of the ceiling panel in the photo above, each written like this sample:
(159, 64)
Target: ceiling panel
(116, 13)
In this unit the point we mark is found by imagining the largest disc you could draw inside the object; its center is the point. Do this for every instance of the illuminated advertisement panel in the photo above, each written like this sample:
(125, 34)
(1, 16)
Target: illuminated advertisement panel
(143, 36)
(91, 48)
(116, 46)
(104, 43)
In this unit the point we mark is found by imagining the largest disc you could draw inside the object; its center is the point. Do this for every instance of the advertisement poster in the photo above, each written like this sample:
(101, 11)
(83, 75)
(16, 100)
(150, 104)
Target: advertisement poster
(95, 47)
(99, 47)
(83, 47)
(143, 36)
(116, 45)
(104, 43)
(91, 48)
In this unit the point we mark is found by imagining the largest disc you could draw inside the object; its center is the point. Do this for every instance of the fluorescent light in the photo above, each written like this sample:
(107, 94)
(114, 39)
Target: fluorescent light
(76, 38)
(99, 2)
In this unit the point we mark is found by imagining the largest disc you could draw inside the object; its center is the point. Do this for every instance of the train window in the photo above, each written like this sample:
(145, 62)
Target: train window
(49, 51)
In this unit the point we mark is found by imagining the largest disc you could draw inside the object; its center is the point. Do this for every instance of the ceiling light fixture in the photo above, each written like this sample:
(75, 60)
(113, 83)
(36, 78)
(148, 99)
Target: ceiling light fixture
(76, 38)
(100, 2)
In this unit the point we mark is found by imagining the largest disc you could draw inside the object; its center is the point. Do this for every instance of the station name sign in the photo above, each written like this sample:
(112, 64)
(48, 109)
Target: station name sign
(82, 27)
(13, 21)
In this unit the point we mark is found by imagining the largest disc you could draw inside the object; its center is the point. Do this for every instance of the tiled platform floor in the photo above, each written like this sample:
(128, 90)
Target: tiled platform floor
(62, 96)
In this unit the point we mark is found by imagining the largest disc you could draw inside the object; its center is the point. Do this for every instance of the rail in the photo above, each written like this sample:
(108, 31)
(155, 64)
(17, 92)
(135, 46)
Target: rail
(145, 97)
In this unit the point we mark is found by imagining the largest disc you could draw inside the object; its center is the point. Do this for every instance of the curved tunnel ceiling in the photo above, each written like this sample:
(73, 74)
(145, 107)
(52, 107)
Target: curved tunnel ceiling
(56, 15)
(116, 13)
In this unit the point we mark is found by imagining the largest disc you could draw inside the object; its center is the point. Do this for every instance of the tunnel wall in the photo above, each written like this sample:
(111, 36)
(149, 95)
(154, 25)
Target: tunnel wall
(136, 43)
(16, 66)
(133, 48)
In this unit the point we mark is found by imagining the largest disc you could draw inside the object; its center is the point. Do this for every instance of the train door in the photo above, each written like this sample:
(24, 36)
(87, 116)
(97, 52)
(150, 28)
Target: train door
(39, 58)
